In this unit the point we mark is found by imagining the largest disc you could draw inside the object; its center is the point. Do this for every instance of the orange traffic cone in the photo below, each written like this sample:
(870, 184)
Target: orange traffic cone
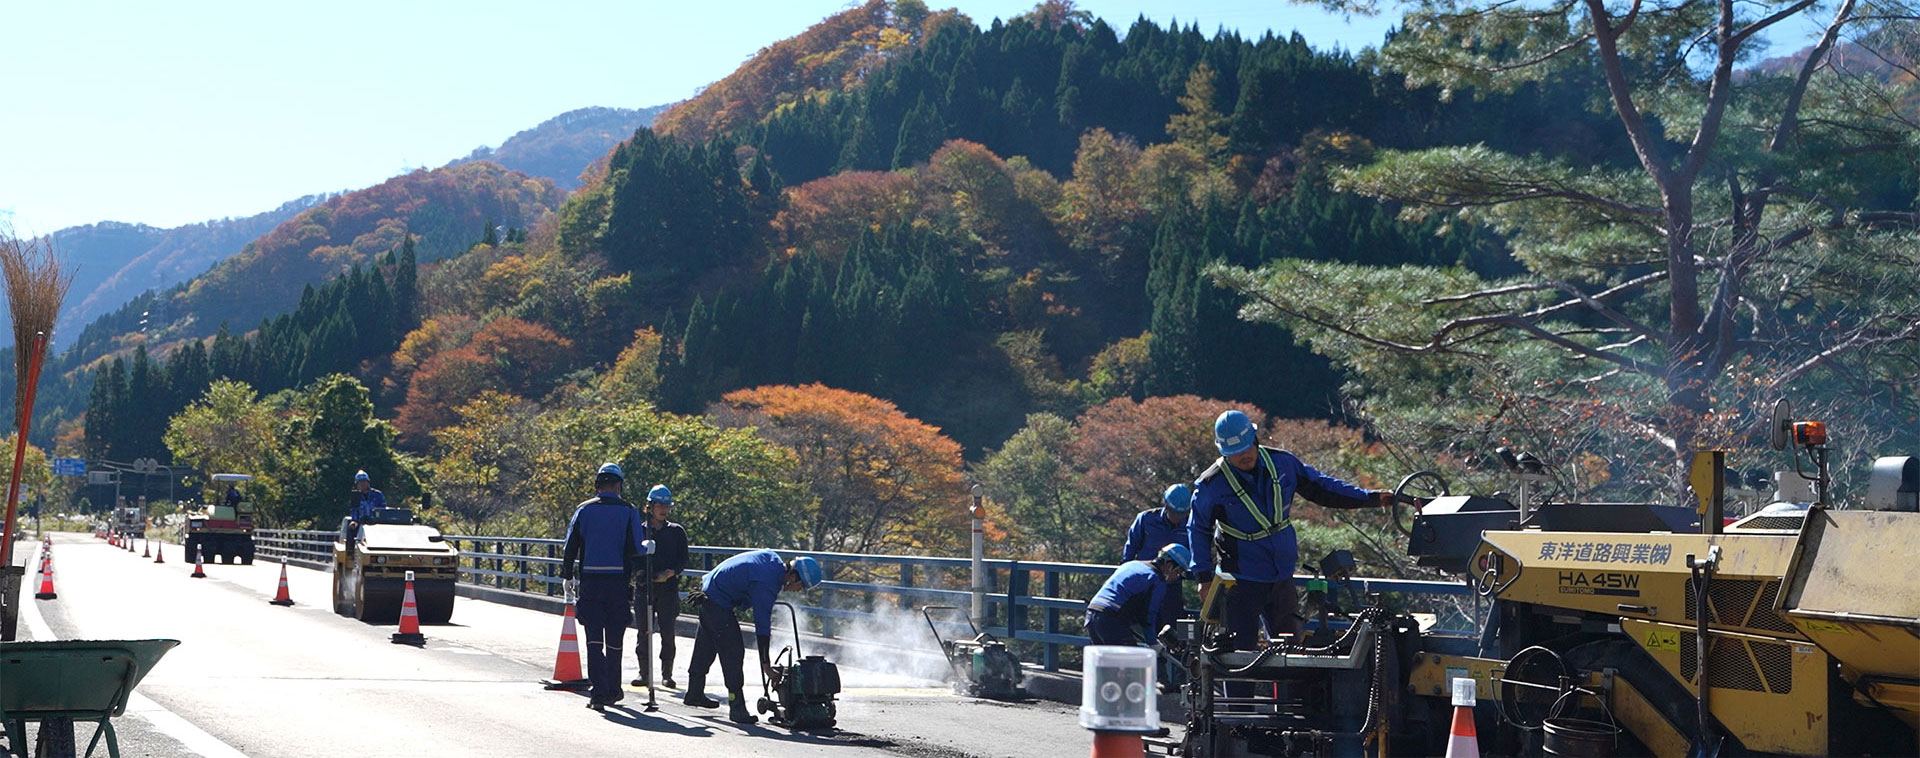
(409, 633)
(199, 567)
(46, 578)
(281, 598)
(1463, 743)
(160, 556)
(566, 664)
(146, 548)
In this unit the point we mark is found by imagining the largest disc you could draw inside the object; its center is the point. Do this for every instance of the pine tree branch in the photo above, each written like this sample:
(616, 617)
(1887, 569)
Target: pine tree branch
(1607, 39)
(1857, 340)
(1790, 114)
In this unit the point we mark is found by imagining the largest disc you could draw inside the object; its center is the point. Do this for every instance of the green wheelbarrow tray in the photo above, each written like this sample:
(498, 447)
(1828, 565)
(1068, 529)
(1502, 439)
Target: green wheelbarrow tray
(80, 680)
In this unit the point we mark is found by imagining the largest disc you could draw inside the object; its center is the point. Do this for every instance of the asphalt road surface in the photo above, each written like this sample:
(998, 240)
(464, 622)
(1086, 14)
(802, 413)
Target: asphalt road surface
(254, 679)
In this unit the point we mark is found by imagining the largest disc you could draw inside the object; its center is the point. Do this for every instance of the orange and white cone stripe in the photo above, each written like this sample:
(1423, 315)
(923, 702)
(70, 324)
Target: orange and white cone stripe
(1463, 742)
(409, 633)
(566, 664)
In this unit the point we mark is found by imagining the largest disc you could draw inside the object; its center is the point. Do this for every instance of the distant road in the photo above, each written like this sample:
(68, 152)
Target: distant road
(272, 682)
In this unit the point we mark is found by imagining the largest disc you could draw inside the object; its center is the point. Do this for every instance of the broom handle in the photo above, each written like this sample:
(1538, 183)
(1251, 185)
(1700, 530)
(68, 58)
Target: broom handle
(34, 355)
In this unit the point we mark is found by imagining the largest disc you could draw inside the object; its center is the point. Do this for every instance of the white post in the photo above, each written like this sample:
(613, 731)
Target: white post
(979, 610)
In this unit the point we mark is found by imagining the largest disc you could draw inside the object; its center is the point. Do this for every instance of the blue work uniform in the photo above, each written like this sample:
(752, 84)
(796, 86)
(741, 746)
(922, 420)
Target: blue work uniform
(603, 540)
(1135, 596)
(1151, 531)
(364, 504)
(1246, 516)
(748, 580)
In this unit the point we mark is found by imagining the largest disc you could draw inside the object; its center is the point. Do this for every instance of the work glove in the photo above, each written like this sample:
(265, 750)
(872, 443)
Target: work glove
(696, 600)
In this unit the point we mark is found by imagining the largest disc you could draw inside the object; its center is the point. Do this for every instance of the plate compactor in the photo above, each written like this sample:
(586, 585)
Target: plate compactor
(803, 698)
(982, 665)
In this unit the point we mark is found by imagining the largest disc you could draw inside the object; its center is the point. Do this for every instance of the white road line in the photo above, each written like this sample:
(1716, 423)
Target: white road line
(164, 721)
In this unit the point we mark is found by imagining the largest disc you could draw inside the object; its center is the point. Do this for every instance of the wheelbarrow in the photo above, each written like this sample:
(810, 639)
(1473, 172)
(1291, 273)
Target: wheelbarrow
(58, 682)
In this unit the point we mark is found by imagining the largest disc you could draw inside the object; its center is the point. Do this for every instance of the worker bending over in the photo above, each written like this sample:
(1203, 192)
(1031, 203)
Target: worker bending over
(748, 580)
(606, 541)
(1156, 528)
(1140, 594)
(1242, 508)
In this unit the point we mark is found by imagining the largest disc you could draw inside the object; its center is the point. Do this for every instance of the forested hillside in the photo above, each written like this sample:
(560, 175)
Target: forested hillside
(114, 262)
(896, 249)
(562, 147)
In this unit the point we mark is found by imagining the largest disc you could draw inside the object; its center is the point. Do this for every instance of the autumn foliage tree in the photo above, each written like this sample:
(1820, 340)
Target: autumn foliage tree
(880, 480)
(507, 355)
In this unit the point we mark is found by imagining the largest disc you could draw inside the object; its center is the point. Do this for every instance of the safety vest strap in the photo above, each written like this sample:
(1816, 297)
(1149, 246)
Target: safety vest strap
(1268, 526)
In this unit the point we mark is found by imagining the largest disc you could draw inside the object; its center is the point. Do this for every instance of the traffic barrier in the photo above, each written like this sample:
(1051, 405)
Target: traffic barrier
(46, 577)
(199, 564)
(281, 598)
(566, 663)
(409, 633)
(1463, 742)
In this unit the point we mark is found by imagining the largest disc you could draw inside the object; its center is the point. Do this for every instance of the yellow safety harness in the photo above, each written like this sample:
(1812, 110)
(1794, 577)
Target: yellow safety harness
(1268, 527)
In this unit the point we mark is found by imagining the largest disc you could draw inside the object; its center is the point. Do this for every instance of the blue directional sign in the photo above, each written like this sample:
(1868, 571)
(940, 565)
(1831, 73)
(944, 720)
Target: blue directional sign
(69, 467)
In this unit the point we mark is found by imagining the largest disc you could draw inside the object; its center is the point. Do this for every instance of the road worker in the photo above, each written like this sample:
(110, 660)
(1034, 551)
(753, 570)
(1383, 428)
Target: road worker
(605, 541)
(1156, 528)
(1241, 510)
(748, 580)
(361, 505)
(1141, 595)
(669, 559)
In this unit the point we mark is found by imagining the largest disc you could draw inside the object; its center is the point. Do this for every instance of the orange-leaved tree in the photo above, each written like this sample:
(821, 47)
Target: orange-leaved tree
(1129, 452)
(881, 481)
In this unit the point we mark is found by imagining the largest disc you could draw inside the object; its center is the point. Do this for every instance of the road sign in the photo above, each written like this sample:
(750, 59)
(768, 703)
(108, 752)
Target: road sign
(103, 477)
(69, 467)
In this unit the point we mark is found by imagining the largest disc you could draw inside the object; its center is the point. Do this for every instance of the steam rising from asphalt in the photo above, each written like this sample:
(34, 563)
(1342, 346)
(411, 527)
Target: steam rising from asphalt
(890, 648)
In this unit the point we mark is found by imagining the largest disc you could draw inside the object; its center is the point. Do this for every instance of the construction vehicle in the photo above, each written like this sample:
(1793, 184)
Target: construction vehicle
(1611, 629)
(982, 665)
(223, 532)
(799, 693)
(131, 520)
(370, 564)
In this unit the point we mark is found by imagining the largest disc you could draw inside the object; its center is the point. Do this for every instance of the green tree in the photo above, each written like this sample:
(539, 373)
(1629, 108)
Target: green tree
(1200, 126)
(1050, 515)
(1760, 242)
(231, 430)
(331, 435)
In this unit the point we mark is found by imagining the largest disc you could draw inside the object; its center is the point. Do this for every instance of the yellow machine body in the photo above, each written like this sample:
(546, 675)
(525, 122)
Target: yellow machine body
(1783, 609)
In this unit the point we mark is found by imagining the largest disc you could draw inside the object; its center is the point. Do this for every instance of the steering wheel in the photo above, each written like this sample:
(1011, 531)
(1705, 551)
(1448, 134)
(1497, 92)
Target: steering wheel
(1425, 485)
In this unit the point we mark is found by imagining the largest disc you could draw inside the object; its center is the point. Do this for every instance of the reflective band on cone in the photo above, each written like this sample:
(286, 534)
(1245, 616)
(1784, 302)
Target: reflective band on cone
(566, 664)
(409, 633)
(282, 598)
(46, 577)
(1463, 742)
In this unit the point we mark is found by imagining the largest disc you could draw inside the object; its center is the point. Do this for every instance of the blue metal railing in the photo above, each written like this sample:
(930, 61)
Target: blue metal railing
(865, 587)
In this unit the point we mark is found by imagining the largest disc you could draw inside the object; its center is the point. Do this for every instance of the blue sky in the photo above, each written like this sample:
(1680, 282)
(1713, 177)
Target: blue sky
(176, 112)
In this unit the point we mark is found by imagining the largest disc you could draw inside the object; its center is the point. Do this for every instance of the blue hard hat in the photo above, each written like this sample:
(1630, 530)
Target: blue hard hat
(361, 476)
(1177, 553)
(660, 494)
(808, 569)
(1178, 497)
(611, 469)
(1234, 433)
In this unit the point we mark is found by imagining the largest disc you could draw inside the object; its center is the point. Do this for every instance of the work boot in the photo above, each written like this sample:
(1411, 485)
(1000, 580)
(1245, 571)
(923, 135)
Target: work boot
(737, 709)
(697, 694)
(667, 683)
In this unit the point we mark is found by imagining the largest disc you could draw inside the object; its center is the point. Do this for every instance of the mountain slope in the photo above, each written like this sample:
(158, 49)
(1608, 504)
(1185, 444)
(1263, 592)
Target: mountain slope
(561, 147)
(114, 262)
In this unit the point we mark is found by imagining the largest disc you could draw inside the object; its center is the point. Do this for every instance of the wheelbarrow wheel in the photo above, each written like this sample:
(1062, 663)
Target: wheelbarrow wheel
(55, 739)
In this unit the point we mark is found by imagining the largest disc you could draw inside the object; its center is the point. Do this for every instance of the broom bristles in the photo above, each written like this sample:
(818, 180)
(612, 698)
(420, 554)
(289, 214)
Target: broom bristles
(36, 286)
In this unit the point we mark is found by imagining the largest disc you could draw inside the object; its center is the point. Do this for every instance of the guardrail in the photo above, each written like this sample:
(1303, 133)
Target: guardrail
(875, 597)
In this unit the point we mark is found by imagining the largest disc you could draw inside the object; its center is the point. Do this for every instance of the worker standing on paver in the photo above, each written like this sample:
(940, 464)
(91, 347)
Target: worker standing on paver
(1140, 595)
(606, 540)
(1247, 494)
(1156, 528)
(669, 559)
(748, 580)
